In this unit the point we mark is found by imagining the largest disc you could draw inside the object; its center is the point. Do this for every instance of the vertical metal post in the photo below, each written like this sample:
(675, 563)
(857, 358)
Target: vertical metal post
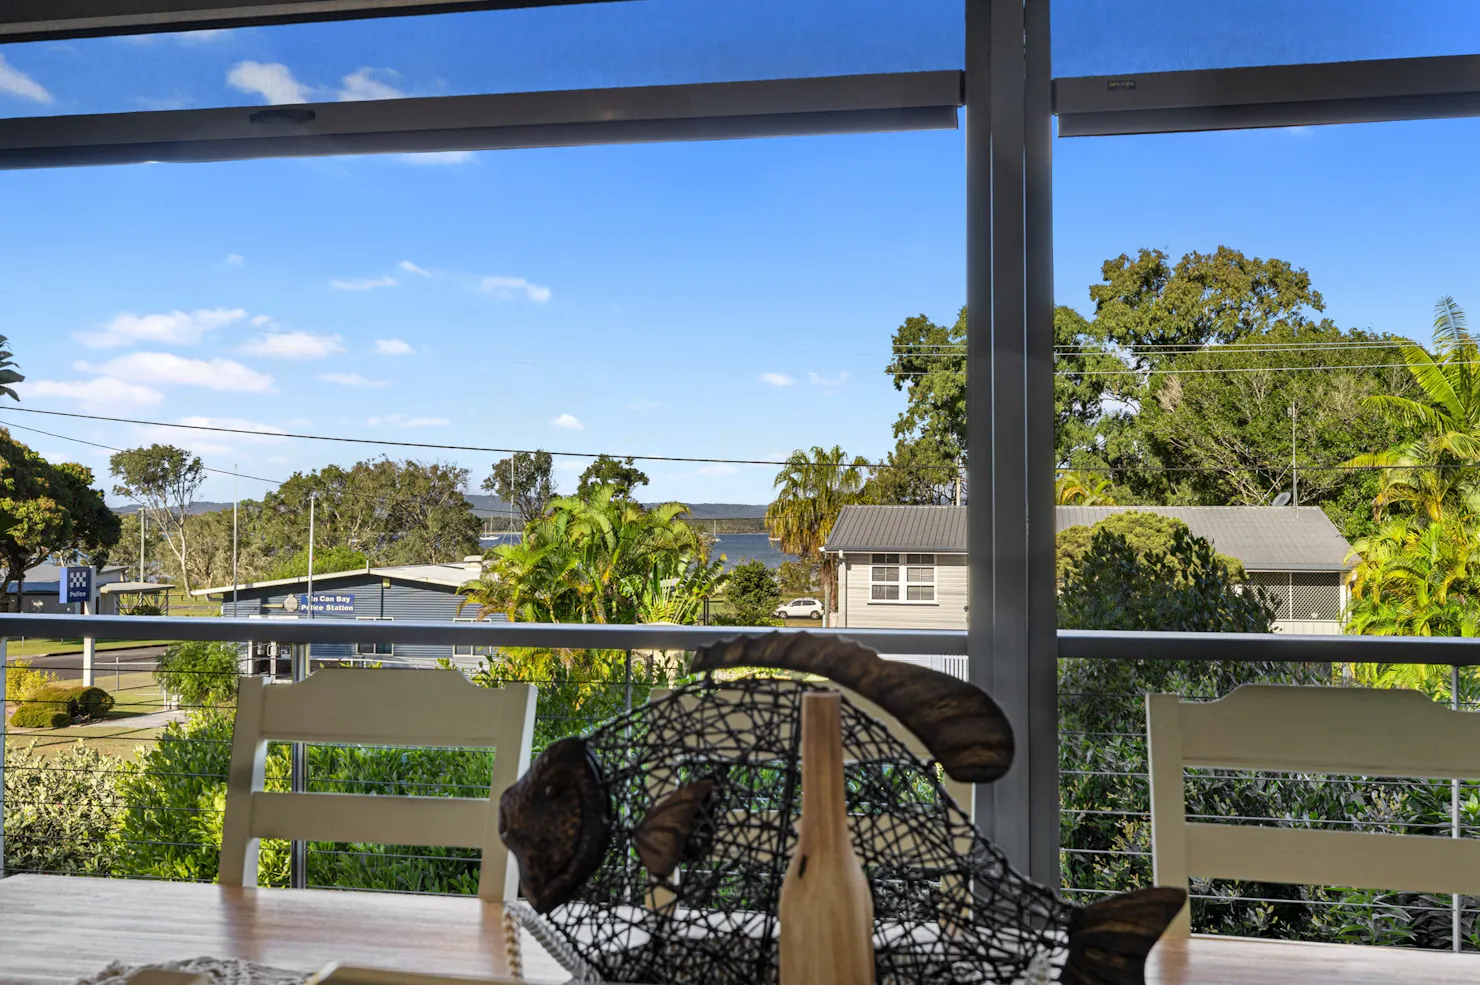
(627, 673)
(89, 644)
(298, 781)
(3, 661)
(235, 612)
(1457, 903)
(1009, 293)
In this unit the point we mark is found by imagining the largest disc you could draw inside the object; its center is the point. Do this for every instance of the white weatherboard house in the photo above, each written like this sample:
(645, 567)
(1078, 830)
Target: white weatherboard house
(904, 567)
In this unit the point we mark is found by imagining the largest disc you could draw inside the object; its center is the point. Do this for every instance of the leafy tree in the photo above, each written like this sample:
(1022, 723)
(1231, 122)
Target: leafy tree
(202, 674)
(1075, 488)
(326, 561)
(918, 473)
(1145, 304)
(60, 811)
(163, 480)
(813, 489)
(621, 474)
(752, 595)
(48, 511)
(1187, 587)
(7, 370)
(523, 480)
(594, 560)
(1146, 532)
(391, 512)
(797, 577)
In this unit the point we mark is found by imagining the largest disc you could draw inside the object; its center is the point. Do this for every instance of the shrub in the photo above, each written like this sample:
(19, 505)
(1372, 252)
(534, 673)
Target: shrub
(201, 674)
(93, 702)
(44, 715)
(22, 681)
(60, 811)
(74, 700)
(752, 596)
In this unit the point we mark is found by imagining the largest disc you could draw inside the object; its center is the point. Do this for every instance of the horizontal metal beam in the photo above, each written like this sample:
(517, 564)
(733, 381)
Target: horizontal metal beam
(1274, 647)
(578, 636)
(1092, 644)
(52, 20)
(1269, 96)
(701, 111)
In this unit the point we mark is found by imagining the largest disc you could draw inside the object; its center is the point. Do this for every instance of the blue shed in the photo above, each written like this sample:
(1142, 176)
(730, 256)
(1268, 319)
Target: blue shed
(415, 592)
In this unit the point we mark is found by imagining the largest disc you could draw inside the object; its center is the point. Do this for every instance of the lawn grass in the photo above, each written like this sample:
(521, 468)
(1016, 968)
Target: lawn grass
(134, 694)
(41, 647)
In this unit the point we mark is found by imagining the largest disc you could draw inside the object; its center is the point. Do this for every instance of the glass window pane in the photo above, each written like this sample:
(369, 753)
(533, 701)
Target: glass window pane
(1091, 37)
(886, 592)
(921, 574)
(920, 559)
(921, 593)
(886, 574)
(578, 46)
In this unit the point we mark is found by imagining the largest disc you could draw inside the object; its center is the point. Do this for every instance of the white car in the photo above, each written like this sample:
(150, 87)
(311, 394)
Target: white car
(800, 609)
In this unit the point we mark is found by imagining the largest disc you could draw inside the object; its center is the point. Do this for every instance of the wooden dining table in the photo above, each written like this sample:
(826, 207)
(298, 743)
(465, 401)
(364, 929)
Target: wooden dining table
(55, 930)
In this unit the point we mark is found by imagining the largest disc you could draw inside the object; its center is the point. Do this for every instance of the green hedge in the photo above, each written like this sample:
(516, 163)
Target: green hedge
(40, 716)
(74, 700)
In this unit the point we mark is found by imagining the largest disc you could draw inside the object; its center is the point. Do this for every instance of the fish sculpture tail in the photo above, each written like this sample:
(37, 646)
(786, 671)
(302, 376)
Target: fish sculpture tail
(1110, 940)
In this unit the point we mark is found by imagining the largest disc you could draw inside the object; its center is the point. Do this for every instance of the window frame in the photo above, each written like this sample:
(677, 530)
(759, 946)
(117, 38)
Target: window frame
(360, 645)
(472, 650)
(901, 583)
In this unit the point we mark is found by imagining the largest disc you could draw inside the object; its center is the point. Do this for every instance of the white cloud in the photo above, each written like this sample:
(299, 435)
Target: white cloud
(361, 87)
(294, 345)
(438, 157)
(817, 379)
(718, 468)
(165, 367)
(412, 268)
(777, 379)
(270, 80)
(14, 82)
(235, 259)
(642, 403)
(570, 422)
(201, 37)
(364, 283)
(106, 392)
(510, 287)
(393, 347)
(265, 434)
(351, 379)
(402, 421)
(171, 328)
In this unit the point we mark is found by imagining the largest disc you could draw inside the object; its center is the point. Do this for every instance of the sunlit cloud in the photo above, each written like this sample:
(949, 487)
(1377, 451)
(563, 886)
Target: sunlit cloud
(352, 379)
(169, 328)
(105, 392)
(14, 82)
(438, 157)
(402, 421)
(777, 379)
(362, 86)
(511, 287)
(569, 422)
(412, 268)
(364, 283)
(294, 345)
(393, 347)
(273, 81)
(165, 367)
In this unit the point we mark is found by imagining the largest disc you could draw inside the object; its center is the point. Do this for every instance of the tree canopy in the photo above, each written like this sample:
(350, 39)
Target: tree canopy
(49, 511)
(524, 481)
(163, 480)
(618, 473)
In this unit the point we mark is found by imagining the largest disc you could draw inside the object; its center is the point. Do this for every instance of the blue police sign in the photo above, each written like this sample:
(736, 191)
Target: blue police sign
(75, 585)
(323, 603)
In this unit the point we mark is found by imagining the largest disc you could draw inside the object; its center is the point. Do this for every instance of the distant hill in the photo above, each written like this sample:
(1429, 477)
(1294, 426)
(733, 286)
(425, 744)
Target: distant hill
(485, 505)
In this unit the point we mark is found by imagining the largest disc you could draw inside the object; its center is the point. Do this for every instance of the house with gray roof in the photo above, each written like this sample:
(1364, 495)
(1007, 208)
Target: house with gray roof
(905, 566)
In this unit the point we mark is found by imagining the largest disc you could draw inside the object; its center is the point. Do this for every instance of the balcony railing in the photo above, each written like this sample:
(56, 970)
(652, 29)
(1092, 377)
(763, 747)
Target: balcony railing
(1104, 818)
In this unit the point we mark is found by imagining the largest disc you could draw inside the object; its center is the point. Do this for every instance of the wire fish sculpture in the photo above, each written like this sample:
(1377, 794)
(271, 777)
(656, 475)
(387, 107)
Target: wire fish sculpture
(654, 848)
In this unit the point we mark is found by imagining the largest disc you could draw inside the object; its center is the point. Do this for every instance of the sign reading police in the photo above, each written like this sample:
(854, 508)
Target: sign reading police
(322, 602)
(75, 585)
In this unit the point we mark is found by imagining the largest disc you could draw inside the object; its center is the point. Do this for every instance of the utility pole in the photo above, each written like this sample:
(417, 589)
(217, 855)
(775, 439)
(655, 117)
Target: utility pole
(234, 500)
(298, 778)
(143, 525)
(312, 499)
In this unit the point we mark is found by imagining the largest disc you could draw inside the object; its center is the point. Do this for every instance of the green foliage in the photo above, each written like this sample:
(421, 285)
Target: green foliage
(608, 471)
(812, 489)
(70, 701)
(390, 512)
(525, 481)
(797, 577)
(1187, 587)
(918, 472)
(23, 681)
(603, 559)
(49, 511)
(8, 373)
(60, 811)
(577, 688)
(201, 674)
(326, 560)
(41, 713)
(1145, 531)
(752, 596)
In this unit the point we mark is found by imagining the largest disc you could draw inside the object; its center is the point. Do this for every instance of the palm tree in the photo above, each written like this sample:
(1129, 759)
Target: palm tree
(1075, 488)
(813, 489)
(1426, 469)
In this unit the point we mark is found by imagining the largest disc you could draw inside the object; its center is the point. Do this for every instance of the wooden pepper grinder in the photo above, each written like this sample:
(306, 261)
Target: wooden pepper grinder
(826, 910)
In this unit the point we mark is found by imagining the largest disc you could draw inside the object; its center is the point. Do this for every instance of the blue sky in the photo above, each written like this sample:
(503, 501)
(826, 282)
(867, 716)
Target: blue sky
(729, 299)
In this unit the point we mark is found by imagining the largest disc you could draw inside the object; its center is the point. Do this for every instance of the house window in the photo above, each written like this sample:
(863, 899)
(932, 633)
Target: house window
(467, 649)
(374, 649)
(919, 575)
(884, 578)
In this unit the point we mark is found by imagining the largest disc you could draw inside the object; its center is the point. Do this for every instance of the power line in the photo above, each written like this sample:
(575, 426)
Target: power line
(94, 444)
(343, 439)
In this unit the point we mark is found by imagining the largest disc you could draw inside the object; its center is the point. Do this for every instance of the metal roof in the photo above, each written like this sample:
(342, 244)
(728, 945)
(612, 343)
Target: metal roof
(452, 575)
(925, 529)
(1262, 538)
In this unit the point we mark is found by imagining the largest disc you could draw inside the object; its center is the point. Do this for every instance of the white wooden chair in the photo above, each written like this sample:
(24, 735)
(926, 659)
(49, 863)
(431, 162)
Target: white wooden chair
(428, 708)
(1345, 731)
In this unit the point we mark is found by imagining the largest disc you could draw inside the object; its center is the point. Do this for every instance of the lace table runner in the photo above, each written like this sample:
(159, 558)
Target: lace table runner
(221, 971)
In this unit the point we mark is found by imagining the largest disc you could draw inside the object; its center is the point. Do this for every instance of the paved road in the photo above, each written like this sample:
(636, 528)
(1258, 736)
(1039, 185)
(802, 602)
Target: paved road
(68, 666)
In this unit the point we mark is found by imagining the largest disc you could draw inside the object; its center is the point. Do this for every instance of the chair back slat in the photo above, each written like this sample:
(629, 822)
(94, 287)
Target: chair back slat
(1344, 731)
(416, 708)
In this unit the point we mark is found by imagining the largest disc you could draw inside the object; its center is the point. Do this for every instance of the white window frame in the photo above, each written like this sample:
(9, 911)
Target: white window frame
(469, 649)
(360, 650)
(899, 564)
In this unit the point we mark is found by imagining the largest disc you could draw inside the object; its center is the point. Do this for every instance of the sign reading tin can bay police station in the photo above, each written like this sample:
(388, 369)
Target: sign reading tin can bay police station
(327, 603)
(75, 585)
